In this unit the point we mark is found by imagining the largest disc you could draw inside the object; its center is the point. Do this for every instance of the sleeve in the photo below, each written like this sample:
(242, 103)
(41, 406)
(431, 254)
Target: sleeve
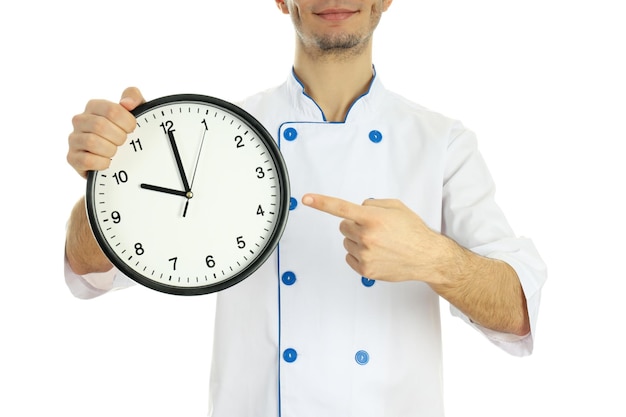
(473, 219)
(95, 284)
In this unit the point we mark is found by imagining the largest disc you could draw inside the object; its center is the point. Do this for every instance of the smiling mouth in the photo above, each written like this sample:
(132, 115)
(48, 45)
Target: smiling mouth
(336, 14)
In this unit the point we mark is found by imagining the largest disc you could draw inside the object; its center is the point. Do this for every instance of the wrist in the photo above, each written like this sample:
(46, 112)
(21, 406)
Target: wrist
(452, 263)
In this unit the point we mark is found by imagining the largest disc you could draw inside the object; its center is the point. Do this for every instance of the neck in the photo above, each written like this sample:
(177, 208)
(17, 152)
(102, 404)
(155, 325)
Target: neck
(336, 81)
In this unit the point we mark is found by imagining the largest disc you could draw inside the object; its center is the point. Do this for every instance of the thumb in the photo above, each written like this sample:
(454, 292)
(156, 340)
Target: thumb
(131, 98)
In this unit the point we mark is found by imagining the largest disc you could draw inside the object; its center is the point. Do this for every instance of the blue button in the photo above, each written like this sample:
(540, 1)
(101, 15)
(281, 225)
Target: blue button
(362, 357)
(290, 355)
(290, 134)
(293, 203)
(367, 282)
(288, 278)
(376, 136)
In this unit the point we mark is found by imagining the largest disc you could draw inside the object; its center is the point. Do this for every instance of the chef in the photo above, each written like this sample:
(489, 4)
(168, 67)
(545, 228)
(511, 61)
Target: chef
(392, 208)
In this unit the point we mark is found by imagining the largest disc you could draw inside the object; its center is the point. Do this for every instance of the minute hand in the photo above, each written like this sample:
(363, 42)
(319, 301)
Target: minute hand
(181, 170)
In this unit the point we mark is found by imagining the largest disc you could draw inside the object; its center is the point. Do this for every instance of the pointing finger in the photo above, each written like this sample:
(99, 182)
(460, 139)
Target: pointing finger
(335, 206)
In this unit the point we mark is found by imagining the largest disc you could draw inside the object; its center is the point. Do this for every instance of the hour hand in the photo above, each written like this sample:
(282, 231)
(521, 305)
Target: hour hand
(166, 190)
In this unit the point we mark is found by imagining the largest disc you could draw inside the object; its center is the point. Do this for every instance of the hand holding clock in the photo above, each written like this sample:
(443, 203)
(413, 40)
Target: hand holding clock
(99, 130)
(102, 127)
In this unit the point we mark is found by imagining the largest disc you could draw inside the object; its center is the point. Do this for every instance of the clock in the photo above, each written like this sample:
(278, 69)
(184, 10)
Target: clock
(194, 201)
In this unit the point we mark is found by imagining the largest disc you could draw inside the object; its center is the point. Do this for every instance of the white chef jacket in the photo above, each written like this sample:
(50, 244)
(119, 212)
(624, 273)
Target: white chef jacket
(306, 335)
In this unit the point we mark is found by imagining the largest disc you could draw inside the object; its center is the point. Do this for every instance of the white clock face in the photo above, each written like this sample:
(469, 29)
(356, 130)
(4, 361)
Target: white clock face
(194, 201)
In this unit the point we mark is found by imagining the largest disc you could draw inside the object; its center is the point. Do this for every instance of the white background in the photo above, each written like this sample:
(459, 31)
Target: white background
(541, 82)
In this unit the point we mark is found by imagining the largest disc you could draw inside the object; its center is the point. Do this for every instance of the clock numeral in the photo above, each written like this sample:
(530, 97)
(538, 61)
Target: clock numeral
(240, 242)
(136, 144)
(116, 217)
(139, 249)
(168, 126)
(260, 211)
(210, 262)
(120, 177)
(260, 173)
(173, 260)
(206, 127)
(239, 141)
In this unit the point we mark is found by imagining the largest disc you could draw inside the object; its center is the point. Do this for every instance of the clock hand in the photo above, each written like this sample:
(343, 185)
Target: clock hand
(187, 194)
(181, 170)
(193, 177)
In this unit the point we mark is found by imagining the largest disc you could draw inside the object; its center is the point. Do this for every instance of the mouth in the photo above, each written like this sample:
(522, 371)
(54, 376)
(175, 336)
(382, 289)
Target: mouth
(336, 14)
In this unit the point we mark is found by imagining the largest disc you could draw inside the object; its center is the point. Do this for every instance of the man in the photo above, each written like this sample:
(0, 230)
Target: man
(314, 332)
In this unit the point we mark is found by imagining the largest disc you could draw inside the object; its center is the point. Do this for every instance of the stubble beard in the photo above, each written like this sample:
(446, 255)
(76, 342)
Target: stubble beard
(336, 47)
(339, 45)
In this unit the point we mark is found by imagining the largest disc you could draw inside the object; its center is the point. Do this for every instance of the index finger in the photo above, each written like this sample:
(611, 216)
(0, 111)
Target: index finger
(335, 206)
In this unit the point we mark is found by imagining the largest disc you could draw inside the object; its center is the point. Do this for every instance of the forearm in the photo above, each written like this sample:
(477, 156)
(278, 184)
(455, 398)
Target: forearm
(487, 290)
(83, 252)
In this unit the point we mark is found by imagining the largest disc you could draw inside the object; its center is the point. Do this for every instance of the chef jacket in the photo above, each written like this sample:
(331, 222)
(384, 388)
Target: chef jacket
(305, 335)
